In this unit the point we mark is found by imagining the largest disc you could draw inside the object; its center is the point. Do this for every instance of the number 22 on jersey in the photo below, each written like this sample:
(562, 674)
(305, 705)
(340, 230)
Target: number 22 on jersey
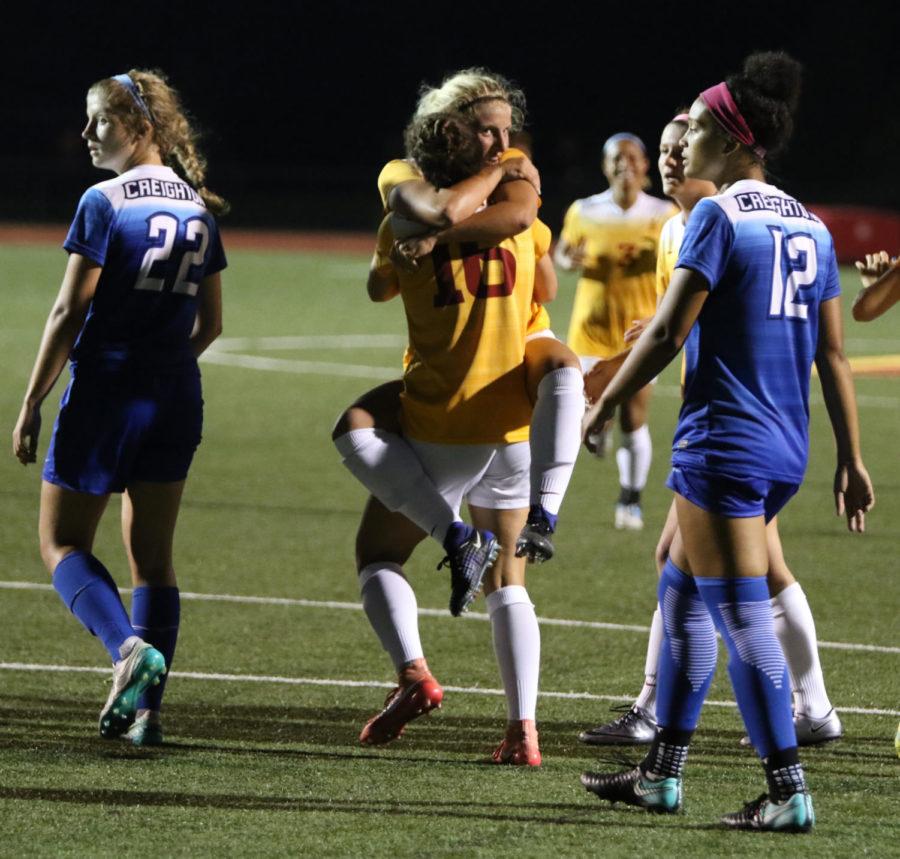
(173, 240)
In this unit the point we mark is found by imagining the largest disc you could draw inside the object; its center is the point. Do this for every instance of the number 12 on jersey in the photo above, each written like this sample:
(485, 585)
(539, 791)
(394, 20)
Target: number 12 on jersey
(163, 230)
(799, 250)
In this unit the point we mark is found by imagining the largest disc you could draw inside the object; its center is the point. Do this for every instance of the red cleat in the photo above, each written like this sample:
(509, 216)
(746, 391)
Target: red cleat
(520, 746)
(401, 706)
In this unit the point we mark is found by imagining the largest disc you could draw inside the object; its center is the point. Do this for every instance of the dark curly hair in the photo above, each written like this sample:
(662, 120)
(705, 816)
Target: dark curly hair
(444, 147)
(767, 91)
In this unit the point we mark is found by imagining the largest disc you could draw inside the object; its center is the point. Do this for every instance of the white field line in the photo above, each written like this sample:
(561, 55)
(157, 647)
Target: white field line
(376, 684)
(224, 352)
(432, 612)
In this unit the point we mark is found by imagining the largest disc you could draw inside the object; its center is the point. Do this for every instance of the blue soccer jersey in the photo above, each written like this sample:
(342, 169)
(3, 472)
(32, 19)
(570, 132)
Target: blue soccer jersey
(769, 263)
(156, 241)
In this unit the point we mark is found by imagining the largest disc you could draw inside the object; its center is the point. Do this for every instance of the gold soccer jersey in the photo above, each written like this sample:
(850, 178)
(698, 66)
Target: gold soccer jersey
(618, 282)
(398, 171)
(669, 244)
(467, 308)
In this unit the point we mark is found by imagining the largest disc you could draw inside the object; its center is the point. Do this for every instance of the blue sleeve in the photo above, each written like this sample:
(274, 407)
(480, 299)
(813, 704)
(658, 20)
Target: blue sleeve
(832, 287)
(91, 228)
(707, 242)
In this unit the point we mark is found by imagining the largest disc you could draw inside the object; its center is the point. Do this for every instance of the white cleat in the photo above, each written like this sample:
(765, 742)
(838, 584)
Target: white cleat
(629, 517)
(141, 665)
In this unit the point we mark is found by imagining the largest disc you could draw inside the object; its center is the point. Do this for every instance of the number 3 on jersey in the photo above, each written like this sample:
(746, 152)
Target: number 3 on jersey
(173, 240)
(799, 249)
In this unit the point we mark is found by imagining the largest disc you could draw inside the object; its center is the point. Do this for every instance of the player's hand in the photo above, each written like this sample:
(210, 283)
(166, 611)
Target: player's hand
(597, 379)
(853, 494)
(405, 254)
(521, 168)
(26, 433)
(636, 329)
(873, 267)
(595, 418)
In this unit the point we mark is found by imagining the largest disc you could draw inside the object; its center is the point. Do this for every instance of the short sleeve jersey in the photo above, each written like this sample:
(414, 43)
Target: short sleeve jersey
(398, 171)
(769, 263)
(467, 308)
(156, 241)
(667, 256)
(617, 284)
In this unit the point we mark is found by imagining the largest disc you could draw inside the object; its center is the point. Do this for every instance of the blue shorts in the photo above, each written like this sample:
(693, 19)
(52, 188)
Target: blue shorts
(730, 496)
(119, 424)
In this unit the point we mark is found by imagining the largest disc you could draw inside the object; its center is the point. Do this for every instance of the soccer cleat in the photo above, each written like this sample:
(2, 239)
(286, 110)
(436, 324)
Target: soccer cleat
(813, 732)
(635, 727)
(629, 517)
(468, 564)
(142, 667)
(143, 732)
(520, 745)
(402, 705)
(661, 796)
(534, 542)
(601, 441)
(795, 814)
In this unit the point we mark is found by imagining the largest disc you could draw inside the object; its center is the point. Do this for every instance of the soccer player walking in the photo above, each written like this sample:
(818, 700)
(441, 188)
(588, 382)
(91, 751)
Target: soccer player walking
(139, 301)
(756, 296)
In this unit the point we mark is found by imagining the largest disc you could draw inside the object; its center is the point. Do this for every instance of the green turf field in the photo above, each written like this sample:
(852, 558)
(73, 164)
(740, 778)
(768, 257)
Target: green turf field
(268, 697)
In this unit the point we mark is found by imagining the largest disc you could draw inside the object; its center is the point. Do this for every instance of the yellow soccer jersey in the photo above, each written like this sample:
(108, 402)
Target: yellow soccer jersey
(669, 244)
(398, 171)
(618, 283)
(466, 308)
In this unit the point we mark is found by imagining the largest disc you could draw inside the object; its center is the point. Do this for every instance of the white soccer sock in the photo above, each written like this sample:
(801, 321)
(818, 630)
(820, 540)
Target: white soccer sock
(647, 697)
(634, 457)
(796, 630)
(388, 467)
(517, 646)
(390, 604)
(555, 435)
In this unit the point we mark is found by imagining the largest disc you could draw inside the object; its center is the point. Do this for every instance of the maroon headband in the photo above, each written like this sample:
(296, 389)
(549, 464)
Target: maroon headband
(721, 105)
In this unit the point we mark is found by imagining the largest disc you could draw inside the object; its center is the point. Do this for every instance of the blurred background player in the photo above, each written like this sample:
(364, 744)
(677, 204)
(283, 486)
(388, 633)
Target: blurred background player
(387, 539)
(140, 300)
(815, 719)
(757, 274)
(612, 239)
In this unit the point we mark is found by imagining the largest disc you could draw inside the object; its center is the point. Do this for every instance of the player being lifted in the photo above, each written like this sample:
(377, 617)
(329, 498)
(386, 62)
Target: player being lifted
(466, 404)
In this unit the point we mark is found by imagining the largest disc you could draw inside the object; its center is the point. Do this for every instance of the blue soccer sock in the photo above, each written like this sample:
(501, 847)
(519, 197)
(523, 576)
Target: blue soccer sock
(687, 654)
(88, 590)
(156, 614)
(743, 615)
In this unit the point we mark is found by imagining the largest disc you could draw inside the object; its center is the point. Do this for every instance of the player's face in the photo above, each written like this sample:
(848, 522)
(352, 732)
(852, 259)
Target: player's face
(625, 165)
(493, 120)
(705, 145)
(671, 163)
(110, 144)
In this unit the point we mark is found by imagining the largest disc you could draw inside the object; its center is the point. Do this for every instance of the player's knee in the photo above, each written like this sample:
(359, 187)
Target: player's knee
(52, 552)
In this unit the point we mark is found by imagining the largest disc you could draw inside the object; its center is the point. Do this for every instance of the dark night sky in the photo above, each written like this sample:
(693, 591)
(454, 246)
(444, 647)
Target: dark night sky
(303, 102)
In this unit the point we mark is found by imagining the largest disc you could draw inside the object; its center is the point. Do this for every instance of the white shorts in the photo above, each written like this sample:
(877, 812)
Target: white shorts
(495, 476)
(544, 332)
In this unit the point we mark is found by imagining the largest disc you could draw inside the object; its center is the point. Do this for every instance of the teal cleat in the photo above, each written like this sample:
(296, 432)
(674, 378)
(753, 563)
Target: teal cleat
(143, 732)
(795, 814)
(661, 796)
(132, 674)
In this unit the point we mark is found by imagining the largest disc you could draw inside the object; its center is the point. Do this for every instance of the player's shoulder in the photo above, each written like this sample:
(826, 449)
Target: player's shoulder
(394, 173)
(654, 208)
(596, 206)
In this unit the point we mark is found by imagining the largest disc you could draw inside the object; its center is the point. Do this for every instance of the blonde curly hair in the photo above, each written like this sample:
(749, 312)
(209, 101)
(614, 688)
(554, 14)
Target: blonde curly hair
(463, 90)
(173, 131)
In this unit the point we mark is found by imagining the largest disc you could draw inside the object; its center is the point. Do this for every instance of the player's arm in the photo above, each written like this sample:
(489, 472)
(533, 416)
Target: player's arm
(881, 286)
(208, 322)
(657, 346)
(546, 283)
(60, 332)
(569, 253)
(853, 493)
